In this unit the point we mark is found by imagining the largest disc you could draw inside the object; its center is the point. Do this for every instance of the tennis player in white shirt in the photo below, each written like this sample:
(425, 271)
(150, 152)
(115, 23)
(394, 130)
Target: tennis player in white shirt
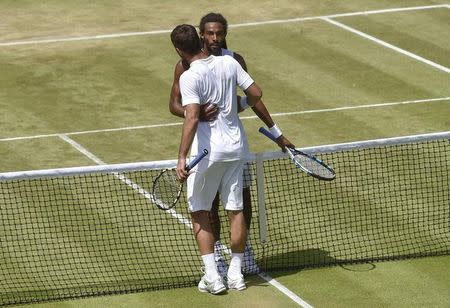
(211, 79)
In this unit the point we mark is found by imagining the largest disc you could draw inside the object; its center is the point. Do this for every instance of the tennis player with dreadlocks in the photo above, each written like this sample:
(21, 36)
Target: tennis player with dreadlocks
(213, 32)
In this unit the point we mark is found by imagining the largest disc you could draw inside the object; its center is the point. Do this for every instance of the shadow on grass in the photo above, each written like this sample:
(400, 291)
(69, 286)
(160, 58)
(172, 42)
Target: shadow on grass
(281, 264)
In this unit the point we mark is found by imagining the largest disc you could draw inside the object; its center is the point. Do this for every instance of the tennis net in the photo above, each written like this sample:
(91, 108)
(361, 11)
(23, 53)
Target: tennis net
(75, 232)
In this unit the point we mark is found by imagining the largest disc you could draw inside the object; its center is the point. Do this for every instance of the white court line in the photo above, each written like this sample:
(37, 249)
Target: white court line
(428, 100)
(123, 178)
(281, 114)
(82, 149)
(279, 21)
(93, 131)
(283, 289)
(300, 19)
(178, 216)
(386, 44)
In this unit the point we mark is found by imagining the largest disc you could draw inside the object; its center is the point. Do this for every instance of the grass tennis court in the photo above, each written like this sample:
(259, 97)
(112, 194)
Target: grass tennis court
(385, 76)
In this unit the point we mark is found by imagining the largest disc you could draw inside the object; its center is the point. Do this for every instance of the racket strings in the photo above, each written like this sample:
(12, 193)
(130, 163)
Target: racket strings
(166, 189)
(313, 166)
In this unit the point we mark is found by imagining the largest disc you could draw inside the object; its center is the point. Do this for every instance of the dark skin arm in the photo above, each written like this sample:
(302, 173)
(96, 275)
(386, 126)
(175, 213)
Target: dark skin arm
(208, 112)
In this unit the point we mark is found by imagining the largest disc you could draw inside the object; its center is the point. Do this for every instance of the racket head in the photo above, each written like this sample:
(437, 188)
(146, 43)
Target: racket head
(166, 189)
(311, 165)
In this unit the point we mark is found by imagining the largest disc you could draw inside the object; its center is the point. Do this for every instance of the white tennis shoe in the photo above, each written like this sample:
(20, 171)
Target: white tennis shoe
(237, 283)
(214, 287)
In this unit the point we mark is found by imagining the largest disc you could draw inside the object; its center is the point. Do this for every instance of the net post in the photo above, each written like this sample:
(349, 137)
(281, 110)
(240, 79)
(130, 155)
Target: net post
(262, 218)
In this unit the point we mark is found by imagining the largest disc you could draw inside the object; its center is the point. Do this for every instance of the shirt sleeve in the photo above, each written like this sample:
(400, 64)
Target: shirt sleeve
(189, 89)
(243, 78)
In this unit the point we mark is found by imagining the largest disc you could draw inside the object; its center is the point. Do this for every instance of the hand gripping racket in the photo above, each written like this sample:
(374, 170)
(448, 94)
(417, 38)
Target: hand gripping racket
(166, 190)
(306, 162)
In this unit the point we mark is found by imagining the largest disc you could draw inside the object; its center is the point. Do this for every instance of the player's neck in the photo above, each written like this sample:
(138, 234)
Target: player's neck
(191, 58)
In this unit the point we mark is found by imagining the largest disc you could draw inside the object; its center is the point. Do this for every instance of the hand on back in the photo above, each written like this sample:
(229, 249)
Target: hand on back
(208, 112)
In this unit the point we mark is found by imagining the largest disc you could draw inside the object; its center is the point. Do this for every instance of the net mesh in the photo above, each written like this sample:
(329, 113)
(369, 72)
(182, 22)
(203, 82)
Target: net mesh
(99, 233)
(385, 203)
(313, 166)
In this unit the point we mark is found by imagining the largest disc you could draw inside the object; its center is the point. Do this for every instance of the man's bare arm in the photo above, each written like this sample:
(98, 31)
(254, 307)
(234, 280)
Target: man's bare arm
(253, 94)
(187, 136)
(175, 106)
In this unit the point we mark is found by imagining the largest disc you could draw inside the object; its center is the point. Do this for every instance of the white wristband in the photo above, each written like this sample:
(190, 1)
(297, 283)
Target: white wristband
(184, 113)
(243, 103)
(275, 131)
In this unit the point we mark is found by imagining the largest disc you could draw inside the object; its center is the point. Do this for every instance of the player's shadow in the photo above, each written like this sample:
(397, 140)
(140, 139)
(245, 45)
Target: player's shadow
(280, 264)
(288, 263)
(296, 259)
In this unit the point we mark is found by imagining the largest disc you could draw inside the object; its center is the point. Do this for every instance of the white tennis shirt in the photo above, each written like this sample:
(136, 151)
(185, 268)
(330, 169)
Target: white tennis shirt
(214, 80)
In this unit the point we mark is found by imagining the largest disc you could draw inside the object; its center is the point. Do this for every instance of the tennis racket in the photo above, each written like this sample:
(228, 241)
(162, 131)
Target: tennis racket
(166, 189)
(306, 162)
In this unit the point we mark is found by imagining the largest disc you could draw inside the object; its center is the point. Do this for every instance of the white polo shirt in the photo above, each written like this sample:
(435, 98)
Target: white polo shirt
(214, 80)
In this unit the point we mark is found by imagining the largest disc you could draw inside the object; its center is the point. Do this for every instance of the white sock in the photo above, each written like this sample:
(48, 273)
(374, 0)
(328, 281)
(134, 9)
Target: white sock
(210, 267)
(234, 270)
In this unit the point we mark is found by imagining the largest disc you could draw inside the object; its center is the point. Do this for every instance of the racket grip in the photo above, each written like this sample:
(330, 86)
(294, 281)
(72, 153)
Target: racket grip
(196, 160)
(265, 132)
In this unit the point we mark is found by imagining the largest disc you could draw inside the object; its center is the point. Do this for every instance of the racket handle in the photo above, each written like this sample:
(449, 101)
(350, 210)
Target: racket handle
(265, 132)
(196, 160)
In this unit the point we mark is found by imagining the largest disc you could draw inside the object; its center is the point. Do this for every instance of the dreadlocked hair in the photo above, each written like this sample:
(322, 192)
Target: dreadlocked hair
(213, 17)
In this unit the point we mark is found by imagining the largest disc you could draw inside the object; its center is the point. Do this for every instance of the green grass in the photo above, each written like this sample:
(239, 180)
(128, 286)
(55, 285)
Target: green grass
(379, 206)
(54, 18)
(259, 294)
(406, 283)
(417, 32)
(96, 235)
(88, 235)
(99, 83)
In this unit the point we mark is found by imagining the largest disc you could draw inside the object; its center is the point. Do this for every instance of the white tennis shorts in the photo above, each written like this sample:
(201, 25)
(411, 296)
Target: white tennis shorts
(209, 178)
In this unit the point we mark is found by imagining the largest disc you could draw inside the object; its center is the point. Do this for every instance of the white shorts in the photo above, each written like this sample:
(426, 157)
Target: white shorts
(209, 178)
